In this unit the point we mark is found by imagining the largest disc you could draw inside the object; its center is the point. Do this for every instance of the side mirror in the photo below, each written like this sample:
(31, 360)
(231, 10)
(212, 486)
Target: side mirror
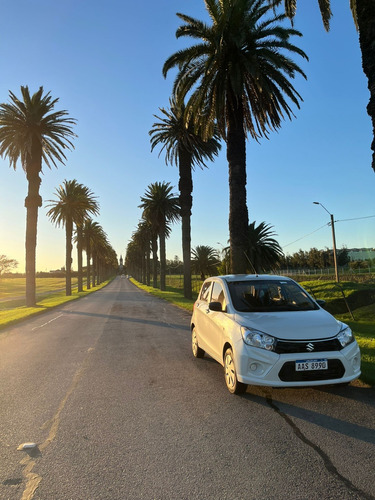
(321, 302)
(215, 306)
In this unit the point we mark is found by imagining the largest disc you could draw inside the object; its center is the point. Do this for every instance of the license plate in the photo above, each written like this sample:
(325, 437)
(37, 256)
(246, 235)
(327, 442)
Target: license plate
(305, 365)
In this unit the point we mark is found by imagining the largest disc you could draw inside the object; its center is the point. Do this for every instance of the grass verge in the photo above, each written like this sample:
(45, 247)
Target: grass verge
(363, 326)
(12, 313)
(171, 294)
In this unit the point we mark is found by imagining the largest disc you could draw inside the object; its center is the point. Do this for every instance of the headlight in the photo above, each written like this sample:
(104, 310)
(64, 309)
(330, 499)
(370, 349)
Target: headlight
(255, 338)
(345, 336)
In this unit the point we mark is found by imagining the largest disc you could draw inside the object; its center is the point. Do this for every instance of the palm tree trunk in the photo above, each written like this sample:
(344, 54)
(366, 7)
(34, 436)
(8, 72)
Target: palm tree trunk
(79, 258)
(155, 262)
(68, 257)
(238, 214)
(366, 27)
(163, 264)
(148, 273)
(32, 203)
(185, 186)
(30, 250)
(88, 259)
(93, 267)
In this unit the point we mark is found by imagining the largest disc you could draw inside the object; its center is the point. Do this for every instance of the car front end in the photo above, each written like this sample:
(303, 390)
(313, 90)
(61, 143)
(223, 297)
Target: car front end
(263, 359)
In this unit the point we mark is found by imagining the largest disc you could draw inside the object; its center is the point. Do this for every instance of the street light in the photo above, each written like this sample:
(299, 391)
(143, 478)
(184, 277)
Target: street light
(333, 239)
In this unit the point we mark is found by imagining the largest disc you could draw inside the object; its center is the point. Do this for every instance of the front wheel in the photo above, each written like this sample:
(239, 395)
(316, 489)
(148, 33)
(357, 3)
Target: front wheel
(233, 385)
(197, 351)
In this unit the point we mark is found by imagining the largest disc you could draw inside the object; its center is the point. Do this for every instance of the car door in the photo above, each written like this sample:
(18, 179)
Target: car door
(216, 321)
(212, 323)
(201, 320)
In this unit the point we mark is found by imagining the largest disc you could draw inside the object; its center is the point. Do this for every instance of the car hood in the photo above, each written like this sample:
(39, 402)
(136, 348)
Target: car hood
(292, 325)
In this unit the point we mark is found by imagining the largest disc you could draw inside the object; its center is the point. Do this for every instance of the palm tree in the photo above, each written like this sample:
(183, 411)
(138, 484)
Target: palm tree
(74, 202)
(143, 236)
(205, 260)
(263, 251)
(32, 133)
(364, 19)
(88, 230)
(239, 75)
(161, 208)
(185, 148)
(79, 240)
(100, 251)
(92, 233)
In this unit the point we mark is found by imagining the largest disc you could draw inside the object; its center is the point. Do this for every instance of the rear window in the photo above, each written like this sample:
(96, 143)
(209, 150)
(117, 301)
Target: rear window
(269, 296)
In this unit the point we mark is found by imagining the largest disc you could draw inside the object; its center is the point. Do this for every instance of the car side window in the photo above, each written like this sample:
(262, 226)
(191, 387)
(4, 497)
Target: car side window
(218, 295)
(205, 292)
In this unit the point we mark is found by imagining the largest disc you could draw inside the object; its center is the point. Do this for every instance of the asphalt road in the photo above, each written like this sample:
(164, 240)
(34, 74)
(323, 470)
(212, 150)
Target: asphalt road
(108, 390)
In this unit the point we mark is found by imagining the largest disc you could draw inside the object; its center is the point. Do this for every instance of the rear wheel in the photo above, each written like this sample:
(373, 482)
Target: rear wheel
(197, 351)
(233, 385)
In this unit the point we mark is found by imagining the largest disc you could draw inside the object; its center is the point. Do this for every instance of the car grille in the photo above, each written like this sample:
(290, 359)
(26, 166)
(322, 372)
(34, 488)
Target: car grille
(290, 346)
(289, 374)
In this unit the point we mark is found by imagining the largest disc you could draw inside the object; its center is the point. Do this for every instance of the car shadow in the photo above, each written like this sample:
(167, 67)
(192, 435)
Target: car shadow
(269, 397)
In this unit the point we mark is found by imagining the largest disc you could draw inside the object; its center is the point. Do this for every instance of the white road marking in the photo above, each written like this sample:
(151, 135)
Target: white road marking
(50, 321)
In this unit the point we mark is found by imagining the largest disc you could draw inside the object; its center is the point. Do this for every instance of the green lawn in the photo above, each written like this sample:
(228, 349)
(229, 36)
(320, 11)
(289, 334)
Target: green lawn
(15, 287)
(49, 295)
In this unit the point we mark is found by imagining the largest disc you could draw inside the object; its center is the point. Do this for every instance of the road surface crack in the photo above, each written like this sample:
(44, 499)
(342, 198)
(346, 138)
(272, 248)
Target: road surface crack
(331, 469)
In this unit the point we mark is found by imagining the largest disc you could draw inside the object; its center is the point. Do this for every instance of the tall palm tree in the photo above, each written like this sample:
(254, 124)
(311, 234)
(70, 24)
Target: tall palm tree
(239, 75)
(133, 259)
(73, 204)
(161, 208)
(263, 251)
(143, 238)
(364, 19)
(100, 251)
(185, 148)
(92, 232)
(205, 260)
(32, 133)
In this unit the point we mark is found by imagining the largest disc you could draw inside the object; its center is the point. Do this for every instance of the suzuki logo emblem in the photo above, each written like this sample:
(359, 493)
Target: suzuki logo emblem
(310, 347)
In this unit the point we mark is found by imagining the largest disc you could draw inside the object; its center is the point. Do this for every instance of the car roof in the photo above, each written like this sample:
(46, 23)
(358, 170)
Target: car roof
(246, 277)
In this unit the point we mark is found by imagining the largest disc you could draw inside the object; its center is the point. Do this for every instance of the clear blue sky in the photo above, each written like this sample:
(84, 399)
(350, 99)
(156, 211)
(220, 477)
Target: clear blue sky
(104, 59)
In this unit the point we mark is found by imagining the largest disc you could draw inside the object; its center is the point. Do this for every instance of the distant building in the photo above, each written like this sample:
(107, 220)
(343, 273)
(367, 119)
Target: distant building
(361, 253)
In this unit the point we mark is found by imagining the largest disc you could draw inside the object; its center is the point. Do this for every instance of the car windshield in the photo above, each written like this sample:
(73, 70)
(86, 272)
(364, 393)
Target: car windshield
(269, 296)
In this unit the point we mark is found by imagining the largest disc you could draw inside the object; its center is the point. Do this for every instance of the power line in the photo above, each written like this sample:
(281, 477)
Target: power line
(328, 224)
(357, 218)
(306, 235)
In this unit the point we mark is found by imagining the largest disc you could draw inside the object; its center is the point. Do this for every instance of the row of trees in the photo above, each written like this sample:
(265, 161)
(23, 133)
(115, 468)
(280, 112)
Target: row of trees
(234, 82)
(314, 259)
(33, 133)
(160, 209)
(73, 205)
(263, 252)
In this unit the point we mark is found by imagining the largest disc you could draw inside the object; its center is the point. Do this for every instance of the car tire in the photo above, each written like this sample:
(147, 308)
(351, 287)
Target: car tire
(197, 351)
(231, 381)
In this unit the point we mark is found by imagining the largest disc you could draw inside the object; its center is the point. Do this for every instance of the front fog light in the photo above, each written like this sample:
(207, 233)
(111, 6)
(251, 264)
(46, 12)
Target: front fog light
(356, 362)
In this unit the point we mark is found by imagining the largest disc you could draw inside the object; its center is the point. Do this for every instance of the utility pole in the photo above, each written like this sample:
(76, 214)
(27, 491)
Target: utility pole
(333, 239)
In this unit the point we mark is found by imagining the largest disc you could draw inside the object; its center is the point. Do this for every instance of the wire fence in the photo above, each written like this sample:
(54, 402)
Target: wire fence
(326, 274)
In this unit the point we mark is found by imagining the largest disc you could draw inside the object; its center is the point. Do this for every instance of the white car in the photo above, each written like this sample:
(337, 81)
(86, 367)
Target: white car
(267, 330)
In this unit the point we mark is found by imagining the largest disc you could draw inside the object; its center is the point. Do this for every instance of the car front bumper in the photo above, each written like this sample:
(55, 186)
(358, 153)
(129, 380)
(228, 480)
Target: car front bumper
(260, 367)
